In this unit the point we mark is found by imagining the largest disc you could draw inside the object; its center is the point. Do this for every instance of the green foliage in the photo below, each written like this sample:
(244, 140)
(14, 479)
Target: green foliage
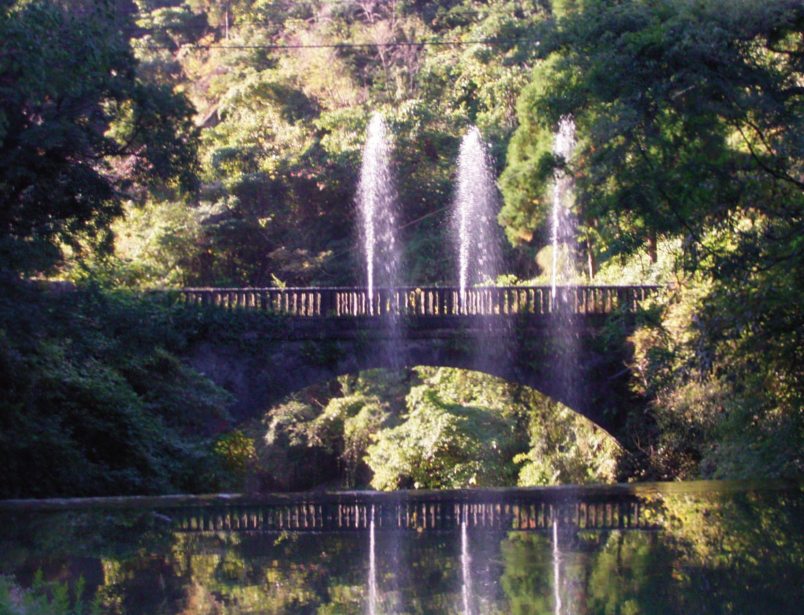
(358, 429)
(156, 245)
(687, 113)
(428, 428)
(524, 579)
(283, 129)
(526, 180)
(723, 367)
(238, 454)
(305, 445)
(631, 576)
(94, 400)
(718, 547)
(688, 171)
(446, 441)
(77, 129)
(566, 449)
(45, 598)
(173, 26)
(738, 531)
(641, 268)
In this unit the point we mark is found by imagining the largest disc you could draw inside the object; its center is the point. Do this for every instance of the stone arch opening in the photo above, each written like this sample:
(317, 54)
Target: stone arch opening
(321, 435)
(272, 370)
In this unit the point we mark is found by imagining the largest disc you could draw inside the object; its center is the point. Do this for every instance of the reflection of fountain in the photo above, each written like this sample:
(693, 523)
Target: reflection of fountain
(556, 566)
(372, 580)
(474, 219)
(466, 570)
(377, 204)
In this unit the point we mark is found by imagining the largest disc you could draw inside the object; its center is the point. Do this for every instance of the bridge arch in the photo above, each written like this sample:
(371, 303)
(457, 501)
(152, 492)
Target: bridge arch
(261, 368)
(290, 338)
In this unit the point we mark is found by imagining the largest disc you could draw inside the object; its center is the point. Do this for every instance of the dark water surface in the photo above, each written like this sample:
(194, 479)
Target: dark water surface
(686, 548)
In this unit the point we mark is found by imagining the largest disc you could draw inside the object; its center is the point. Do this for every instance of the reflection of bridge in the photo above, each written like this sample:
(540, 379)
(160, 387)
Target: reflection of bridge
(278, 341)
(503, 510)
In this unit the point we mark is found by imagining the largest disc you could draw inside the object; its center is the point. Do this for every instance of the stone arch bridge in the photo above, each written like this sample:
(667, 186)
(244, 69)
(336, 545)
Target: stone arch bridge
(570, 345)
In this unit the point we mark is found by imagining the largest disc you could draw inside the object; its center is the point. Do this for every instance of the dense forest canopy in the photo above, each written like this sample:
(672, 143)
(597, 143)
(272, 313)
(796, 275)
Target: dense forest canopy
(168, 144)
(284, 92)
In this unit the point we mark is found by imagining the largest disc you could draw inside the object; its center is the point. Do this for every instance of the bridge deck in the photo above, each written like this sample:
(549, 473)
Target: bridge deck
(425, 301)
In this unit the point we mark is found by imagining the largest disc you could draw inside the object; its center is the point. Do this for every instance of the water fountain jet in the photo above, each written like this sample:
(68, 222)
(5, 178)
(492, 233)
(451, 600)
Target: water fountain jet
(565, 332)
(376, 201)
(557, 605)
(563, 222)
(474, 218)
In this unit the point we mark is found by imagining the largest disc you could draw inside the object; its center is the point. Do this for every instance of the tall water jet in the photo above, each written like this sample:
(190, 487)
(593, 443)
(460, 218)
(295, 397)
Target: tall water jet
(475, 214)
(563, 222)
(565, 367)
(376, 201)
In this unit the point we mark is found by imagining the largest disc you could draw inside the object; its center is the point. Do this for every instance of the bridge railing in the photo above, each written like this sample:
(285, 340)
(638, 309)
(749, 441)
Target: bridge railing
(425, 301)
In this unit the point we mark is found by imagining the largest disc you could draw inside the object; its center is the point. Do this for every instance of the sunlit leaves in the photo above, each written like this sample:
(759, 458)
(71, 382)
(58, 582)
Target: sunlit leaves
(238, 454)
(687, 115)
(440, 446)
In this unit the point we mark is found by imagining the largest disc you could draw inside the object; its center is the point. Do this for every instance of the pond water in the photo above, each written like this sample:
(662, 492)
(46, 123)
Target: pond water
(650, 548)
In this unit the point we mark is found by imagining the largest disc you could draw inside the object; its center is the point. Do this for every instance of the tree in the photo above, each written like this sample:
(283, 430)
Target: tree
(689, 116)
(94, 399)
(565, 448)
(78, 130)
(284, 101)
(457, 433)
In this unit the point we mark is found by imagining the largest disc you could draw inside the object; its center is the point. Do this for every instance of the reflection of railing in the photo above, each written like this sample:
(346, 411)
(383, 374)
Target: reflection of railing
(424, 301)
(348, 513)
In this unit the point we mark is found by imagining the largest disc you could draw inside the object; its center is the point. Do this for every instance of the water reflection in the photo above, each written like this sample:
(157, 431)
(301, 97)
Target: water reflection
(372, 582)
(466, 570)
(700, 549)
(556, 567)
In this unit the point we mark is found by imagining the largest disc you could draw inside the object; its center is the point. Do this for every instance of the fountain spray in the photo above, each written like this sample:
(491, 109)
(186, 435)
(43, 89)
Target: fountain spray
(377, 208)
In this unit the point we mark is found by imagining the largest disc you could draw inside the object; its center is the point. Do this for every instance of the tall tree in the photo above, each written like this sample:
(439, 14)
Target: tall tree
(690, 116)
(78, 130)
(690, 122)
